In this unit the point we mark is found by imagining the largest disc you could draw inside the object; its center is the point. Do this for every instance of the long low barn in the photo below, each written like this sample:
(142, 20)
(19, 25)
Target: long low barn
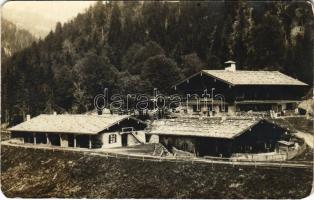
(85, 131)
(217, 136)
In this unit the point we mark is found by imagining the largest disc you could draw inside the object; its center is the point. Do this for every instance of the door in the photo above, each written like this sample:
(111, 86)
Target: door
(124, 138)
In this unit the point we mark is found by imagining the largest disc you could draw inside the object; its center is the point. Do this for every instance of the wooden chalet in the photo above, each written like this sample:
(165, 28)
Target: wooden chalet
(241, 90)
(217, 136)
(84, 131)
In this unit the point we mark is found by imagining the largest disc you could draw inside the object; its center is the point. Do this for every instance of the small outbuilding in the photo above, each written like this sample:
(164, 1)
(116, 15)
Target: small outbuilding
(84, 131)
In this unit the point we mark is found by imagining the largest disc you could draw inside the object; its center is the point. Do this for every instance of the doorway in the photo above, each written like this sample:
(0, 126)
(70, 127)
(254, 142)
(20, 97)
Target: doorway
(124, 138)
(54, 139)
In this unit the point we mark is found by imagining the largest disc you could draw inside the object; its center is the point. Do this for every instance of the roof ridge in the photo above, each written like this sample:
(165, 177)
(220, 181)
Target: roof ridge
(80, 115)
(254, 77)
(71, 123)
(239, 70)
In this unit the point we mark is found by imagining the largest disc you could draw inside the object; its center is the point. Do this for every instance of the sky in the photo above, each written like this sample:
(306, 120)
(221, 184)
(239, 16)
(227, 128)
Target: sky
(39, 17)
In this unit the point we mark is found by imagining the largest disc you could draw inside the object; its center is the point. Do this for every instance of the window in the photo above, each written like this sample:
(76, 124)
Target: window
(112, 138)
(127, 129)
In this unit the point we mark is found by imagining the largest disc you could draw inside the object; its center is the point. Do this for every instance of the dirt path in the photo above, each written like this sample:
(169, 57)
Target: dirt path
(308, 138)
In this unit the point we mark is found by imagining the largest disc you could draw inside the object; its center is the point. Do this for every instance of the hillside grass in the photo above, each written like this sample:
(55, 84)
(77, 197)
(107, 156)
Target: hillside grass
(38, 173)
(301, 124)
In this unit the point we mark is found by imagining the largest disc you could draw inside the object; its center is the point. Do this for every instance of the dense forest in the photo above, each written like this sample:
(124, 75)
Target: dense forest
(133, 47)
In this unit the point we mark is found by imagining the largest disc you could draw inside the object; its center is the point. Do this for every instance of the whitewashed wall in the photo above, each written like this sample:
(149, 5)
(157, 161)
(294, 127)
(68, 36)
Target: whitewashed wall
(154, 139)
(105, 140)
(133, 141)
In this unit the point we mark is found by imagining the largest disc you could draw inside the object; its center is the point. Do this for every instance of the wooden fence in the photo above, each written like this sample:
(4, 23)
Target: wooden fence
(182, 159)
(273, 156)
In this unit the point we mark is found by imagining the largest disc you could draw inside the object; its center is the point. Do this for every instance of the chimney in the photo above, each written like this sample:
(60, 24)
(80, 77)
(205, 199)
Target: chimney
(231, 66)
(28, 117)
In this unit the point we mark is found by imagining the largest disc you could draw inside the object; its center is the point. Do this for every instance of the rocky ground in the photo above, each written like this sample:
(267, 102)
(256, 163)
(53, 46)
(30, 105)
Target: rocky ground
(39, 173)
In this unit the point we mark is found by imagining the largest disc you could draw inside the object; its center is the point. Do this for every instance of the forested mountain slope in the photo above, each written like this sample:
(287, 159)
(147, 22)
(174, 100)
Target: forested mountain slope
(134, 47)
(13, 39)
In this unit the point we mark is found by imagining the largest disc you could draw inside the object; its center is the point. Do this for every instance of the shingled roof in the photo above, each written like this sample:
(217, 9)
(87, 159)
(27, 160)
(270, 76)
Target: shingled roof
(242, 77)
(254, 77)
(79, 124)
(206, 127)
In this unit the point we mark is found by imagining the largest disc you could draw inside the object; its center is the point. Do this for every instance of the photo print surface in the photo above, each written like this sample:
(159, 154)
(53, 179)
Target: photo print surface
(157, 99)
